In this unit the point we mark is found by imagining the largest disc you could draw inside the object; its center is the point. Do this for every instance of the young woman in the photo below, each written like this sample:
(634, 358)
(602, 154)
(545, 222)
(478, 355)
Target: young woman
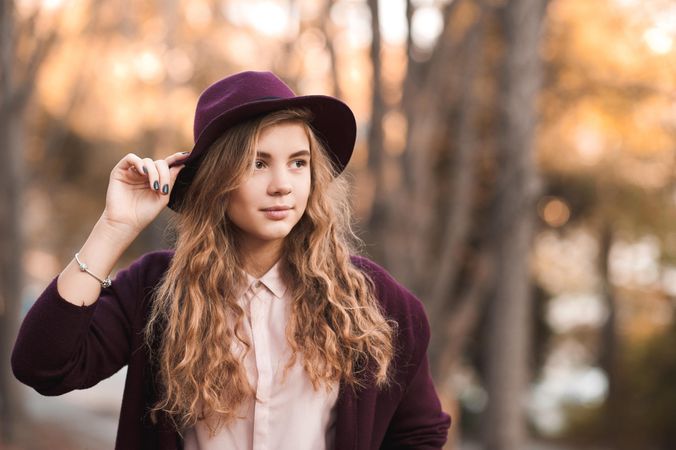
(261, 329)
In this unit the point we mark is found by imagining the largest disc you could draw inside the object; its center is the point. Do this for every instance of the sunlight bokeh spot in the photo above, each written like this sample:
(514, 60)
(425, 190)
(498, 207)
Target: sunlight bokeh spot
(427, 24)
(658, 40)
(393, 20)
(268, 17)
(149, 67)
(554, 211)
(179, 66)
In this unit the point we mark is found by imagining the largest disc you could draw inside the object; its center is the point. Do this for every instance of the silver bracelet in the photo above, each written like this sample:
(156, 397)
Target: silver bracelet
(84, 268)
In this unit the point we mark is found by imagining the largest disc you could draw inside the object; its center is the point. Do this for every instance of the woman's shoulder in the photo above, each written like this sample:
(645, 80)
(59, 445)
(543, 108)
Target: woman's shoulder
(155, 258)
(148, 268)
(395, 298)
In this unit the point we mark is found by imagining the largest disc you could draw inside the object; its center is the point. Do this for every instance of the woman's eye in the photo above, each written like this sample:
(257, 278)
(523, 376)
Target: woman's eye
(299, 163)
(258, 164)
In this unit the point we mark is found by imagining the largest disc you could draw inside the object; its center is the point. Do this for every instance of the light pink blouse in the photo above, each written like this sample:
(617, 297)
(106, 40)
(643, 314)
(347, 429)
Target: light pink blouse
(288, 415)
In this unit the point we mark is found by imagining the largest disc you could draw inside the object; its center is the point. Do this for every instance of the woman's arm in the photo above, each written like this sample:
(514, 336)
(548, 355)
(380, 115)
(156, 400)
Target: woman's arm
(419, 421)
(78, 332)
(62, 346)
(138, 190)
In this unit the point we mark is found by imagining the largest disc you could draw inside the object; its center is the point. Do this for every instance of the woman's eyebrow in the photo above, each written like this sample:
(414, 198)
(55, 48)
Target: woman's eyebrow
(267, 155)
(300, 153)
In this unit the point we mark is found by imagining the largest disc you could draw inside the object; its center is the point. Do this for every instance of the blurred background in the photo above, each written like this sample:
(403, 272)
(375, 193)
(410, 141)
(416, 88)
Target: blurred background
(514, 168)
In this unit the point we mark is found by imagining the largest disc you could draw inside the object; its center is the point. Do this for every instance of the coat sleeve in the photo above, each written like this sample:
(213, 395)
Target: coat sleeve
(61, 347)
(418, 421)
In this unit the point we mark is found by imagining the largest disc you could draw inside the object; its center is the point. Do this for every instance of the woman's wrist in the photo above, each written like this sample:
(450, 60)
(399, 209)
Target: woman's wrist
(100, 252)
(115, 230)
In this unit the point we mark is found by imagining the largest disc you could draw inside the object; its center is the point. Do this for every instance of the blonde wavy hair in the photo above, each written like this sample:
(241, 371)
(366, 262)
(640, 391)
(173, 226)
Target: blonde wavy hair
(336, 327)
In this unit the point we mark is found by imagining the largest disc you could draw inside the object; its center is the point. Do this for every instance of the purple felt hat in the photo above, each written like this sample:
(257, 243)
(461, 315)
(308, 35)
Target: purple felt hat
(246, 95)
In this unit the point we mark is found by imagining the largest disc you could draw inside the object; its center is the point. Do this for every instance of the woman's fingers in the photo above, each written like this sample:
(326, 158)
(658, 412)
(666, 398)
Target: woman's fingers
(153, 174)
(133, 162)
(164, 176)
(160, 173)
(176, 158)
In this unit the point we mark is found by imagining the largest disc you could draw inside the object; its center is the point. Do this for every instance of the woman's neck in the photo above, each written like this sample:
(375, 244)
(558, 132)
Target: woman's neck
(259, 257)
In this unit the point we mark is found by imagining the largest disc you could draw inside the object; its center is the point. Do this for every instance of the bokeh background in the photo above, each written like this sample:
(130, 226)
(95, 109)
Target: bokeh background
(514, 168)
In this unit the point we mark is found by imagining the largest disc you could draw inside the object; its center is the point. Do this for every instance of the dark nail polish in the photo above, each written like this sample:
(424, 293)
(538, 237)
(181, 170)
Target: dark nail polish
(156, 185)
(184, 153)
(165, 189)
(145, 170)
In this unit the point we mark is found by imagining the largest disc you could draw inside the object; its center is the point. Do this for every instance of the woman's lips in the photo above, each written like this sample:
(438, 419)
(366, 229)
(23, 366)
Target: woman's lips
(277, 213)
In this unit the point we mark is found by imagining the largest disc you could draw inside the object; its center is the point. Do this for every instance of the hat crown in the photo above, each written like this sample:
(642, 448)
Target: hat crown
(236, 90)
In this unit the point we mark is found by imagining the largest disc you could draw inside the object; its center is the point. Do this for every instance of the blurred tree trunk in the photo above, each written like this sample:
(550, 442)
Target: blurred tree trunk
(10, 224)
(14, 97)
(440, 168)
(450, 99)
(462, 150)
(11, 273)
(609, 345)
(452, 317)
(509, 317)
(378, 219)
(327, 25)
(427, 101)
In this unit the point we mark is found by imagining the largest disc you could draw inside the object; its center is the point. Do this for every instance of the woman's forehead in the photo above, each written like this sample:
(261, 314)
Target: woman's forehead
(283, 138)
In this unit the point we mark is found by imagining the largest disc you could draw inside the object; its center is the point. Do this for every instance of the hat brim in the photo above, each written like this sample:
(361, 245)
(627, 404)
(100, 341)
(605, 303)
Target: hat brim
(332, 121)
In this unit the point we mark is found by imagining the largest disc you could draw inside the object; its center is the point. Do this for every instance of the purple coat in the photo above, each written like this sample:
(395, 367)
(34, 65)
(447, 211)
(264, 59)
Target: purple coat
(61, 347)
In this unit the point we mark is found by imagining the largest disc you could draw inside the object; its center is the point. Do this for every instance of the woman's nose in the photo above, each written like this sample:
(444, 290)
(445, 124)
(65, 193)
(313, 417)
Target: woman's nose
(280, 184)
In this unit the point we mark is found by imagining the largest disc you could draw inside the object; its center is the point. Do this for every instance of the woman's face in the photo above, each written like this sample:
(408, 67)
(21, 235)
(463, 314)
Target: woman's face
(272, 199)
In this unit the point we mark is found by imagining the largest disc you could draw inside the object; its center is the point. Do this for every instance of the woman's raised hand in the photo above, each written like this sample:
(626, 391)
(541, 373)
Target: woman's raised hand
(139, 189)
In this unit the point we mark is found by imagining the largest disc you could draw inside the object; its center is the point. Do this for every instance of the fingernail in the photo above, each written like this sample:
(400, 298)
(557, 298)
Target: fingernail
(156, 185)
(165, 189)
(145, 170)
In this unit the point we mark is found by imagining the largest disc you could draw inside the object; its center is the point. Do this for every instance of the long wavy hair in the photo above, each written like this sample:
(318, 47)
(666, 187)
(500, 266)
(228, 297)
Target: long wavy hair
(336, 329)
